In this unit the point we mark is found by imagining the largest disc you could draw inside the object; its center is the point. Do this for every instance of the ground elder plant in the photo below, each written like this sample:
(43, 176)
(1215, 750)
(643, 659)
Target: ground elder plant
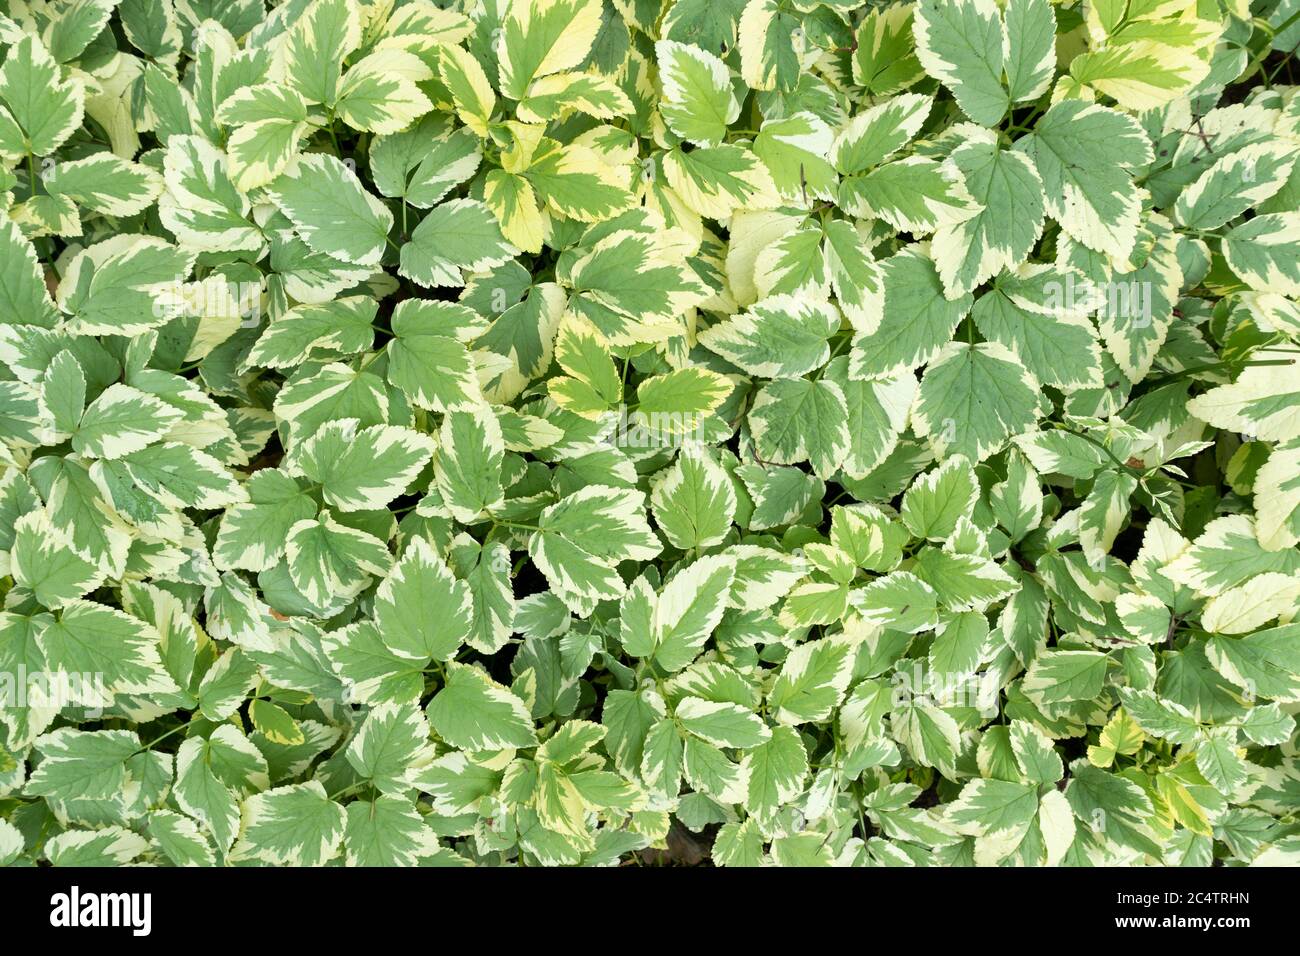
(606, 432)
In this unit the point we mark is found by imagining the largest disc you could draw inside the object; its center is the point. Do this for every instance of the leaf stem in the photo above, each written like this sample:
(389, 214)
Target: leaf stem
(515, 524)
(329, 126)
(1110, 454)
(1213, 367)
(159, 739)
(346, 791)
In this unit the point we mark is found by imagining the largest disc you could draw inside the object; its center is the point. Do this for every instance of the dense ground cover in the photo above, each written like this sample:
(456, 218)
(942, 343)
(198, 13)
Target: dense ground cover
(604, 431)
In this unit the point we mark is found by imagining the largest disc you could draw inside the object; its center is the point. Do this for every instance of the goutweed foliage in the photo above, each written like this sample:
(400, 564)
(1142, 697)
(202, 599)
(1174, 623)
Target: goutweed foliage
(593, 432)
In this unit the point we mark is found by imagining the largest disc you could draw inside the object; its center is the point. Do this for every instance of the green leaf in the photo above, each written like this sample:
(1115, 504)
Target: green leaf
(427, 356)
(391, 747)
(225, 686)
(1000, 236)
(673, 626)
(877, 133)
(884, 56)
(212, 775)
(994, 808)
(331, 210)
(1034, 313)
(359, 469)
(268, 123)
(342, 326)
(122, 420)
(918, 320)
(973, 398)
(1059, 676)
(1017, 502)
(486, 569)
(698, 103)
(781, 337)
(900, 601)
(44, 107)
(937, 500)
(43, 561)
(122, 652)
(959, 644)
(721, 724)
(125, 285)
(1219, 761)
(1083, 153)
(82, 765)
(252, 535)
(380, 94)
(583, 536)
(676, 401)
(1264, 251)
(460, 235)
(473, 712)
(180, 838)
(372, 672)
(200, 205)
(964, 44)
(1260, 403)
(794, 420)
(314, 48)
(24, 297)
(1035, 754)
(913, 194)
(768, 59)
(812, 681)
(329, 561)
(106, 184)
(421, 610)
(1103, 512)
(1266, 663)
(556, 36)
(468, 464)
(776, 771)
(274, 723)
(422, 163)
(297, 825)
(877, 415)
(694, 501)
(1031, 48)
(1235, 183)
(715, 181)
(387, 832)
(111, 846)
(794, 150)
